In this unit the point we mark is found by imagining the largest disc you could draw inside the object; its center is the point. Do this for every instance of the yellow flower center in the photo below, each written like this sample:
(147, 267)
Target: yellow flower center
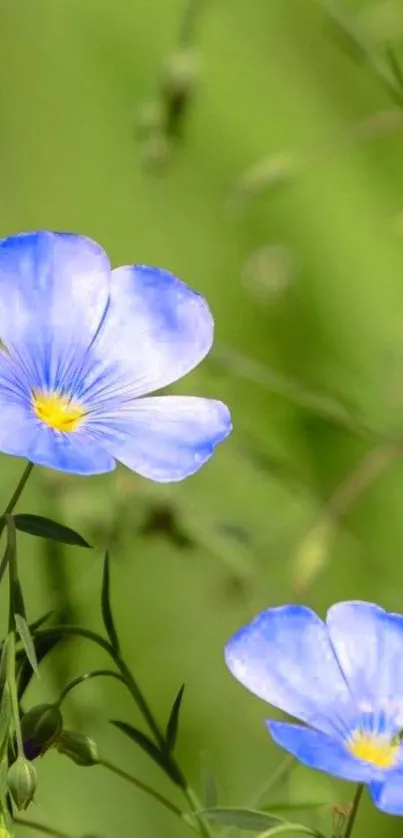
(58, 411)
(374, 748)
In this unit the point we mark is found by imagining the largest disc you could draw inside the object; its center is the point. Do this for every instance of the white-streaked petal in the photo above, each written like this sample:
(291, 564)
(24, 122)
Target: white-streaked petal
(54, 291)
(325, 753)
(285, 657)
(164, 438)
(368, 642)
(388, 795)
(23, 435)
(157, 330)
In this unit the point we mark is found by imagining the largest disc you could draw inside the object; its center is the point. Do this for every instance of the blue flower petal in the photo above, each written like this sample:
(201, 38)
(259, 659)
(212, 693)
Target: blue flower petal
(388, 795)
(368, 642)
(157, 330)
(284, 656)
(320, 751)
(164, 438)
(54, 291)
(22, 435)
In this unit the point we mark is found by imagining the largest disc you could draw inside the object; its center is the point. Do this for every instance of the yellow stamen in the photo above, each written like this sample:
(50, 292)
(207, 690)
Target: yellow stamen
(58, 411)
(374, 748)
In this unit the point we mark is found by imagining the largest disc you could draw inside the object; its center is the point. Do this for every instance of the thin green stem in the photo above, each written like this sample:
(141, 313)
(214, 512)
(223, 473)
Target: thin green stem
(354, 809)
(78, 631)
(145, 788)
(195, 806)
(81, 679)
(10, 508)
(41, 827)
(19, 489)
(138, 696)
(12, 686)
(11, 677)
(278, 775)
(189, 20)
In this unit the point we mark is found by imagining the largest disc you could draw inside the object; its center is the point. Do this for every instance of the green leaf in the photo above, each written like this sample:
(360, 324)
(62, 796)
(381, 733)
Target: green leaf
(173, 722)
(26, 640)
(249, 819)
(106, 606)
(45, 528)
(148, 746)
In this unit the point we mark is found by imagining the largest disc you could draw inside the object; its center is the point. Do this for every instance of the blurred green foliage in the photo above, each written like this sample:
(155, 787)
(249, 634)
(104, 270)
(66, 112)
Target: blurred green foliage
(281, 200)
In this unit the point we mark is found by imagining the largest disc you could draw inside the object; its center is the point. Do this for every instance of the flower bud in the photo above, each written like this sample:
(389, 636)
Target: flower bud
(21, 782)
(181, 73)
(40, 727)
(81, 749)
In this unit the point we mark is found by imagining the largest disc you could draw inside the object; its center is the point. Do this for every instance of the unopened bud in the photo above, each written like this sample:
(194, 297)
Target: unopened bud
(81, 749)
(40, 727)
(181, 73)
(21, 782)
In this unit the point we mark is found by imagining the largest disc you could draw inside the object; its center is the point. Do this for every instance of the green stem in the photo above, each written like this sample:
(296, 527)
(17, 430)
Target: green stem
(144, 787)
(195, 806)
(278, 775)
(81, 679)
(12, 686)
(10, 508)
(78, 631)
(11, 679)
(19, 489)
(41, 827)
(139, 699)
(354, 809)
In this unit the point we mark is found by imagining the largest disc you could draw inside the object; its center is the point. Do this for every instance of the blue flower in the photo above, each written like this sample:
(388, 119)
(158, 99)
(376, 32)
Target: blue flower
(343, 679)
(81, 346)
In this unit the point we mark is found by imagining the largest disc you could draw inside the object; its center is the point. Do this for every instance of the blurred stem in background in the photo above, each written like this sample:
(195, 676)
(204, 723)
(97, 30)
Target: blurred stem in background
(41, 827)
(162, 121)
(311, 554)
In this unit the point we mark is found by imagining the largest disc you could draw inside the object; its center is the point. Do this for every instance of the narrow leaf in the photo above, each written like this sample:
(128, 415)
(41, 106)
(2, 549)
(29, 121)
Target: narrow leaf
(45, 528)
(26, 640)
(107, 615)
(173, 721)
(148, 746)
(249, 819)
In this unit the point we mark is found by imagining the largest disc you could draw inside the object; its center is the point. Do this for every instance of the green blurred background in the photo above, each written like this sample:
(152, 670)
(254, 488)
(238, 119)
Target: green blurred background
(282, 201)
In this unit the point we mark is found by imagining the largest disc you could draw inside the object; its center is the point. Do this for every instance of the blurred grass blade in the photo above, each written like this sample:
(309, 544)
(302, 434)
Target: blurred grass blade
(106, 606)
(210, 787)
(26, 640)
(248, 819)
(42, 527)
(173, 721)
(148, 746)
